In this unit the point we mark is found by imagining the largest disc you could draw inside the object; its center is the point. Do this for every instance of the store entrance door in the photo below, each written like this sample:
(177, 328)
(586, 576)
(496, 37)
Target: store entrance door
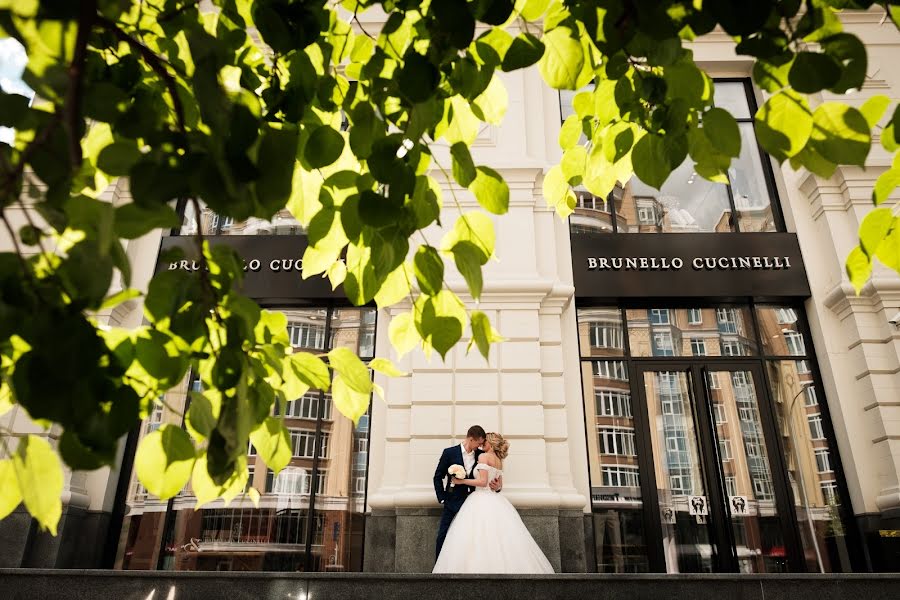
(717, 499)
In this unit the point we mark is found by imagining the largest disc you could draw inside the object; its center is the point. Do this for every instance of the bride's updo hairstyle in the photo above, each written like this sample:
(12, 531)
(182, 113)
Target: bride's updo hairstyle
(498, 444)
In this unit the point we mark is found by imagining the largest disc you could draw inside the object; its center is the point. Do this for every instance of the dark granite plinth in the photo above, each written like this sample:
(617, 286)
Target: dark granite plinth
(44, 584)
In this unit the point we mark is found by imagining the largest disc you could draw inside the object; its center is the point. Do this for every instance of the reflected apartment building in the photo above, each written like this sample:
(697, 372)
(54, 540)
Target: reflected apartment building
(309, 515)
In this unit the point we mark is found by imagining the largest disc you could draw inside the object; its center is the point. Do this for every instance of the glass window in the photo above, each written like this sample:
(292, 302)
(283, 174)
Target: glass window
(809, 455)
(811, 399)
(823, 460)
(815, 427)
(730, 485)
(617, 440)
(621, 477)
(780, 331)
(671, 332)
(613, 403)
(283, 223)
(274, 536)
(659, 316)
(698, 347)
(611, 369)
(725, 449)
(721, 413)
(600, 332)
(687, 202)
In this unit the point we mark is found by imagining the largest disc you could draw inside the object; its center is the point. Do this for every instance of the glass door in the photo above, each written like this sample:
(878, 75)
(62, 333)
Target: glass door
(714, 497)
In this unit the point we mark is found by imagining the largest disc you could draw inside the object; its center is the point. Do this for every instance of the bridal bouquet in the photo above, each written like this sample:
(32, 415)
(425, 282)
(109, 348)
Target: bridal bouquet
(457, 471)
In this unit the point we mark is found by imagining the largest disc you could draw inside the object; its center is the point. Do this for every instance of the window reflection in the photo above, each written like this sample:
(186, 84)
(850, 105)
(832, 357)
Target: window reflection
(723, 331)
(781, 335)
(282, 223)
(316, 503)
(687, 202)
(809, 456)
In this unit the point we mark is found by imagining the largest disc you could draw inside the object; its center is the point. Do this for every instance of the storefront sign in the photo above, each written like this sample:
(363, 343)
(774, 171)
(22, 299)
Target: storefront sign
(762, 265)
(272, 265)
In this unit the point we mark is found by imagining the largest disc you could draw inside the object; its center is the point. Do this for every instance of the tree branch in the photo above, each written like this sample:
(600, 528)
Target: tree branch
(76, 82)
(155, 62)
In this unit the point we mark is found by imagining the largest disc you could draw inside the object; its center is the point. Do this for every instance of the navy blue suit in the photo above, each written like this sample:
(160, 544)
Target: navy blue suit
(452, 498)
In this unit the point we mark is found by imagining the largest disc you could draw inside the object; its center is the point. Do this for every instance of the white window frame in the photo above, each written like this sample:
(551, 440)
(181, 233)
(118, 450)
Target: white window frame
(613, 403)
(726, 320)
(618, 370)
(720, 413)
(732, 348)
(725, 449)
(606, 334)
(695, 316)
(663, 343)
(816, 431)
(619, 476)
(306, 335)
(660, 316)
(810, 396)
(617, 441)
(823, 460)
(698, 347)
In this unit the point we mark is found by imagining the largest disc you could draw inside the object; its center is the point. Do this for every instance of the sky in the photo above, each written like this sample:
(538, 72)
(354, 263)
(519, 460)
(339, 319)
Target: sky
(12, 63)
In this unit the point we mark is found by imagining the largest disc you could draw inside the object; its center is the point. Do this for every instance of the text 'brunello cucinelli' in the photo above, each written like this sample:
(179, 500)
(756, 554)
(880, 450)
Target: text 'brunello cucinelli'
(699, 263)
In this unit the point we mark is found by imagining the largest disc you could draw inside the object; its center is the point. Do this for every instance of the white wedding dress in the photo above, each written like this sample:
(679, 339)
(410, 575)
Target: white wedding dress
(488, 536)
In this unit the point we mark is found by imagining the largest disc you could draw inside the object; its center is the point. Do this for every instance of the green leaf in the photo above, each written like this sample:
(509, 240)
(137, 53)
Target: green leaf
(655, 157)
(557, 193)
(887, 182)
(859, 268)
(119, 297)
(273, 443)
(429, 270)
(850, 54)
(573, 164)
(468, 260)
(132, 221)
(40, 478)
(483, 335)
(874, 228)
(889, 250)
(117, 158)
(475, 227)
(888, 139)
(351, 402)
(396, 286)
(403, 333)
(873, 109)
(352, 370)
(463, 166)
(323, 147)
(491, 191)
(164, 461)
(491, 105)
(10, 494)
(770, 76)
(524, 51)
(570, 132)
(784, 124)
(276, 161)
(812, 72)
(440, 320)
(531, 10)
(206, 490)
(563, 58)
(418, 78)
(309, 369)
(722, 130)
(840, 134)
(385, 366)
(203, 414)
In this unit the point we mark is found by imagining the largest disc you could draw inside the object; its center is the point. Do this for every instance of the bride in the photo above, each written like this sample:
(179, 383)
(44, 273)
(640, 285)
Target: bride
(487, 516)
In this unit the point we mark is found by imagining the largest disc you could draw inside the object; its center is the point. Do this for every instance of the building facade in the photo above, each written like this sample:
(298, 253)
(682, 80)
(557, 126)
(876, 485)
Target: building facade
(688, 383)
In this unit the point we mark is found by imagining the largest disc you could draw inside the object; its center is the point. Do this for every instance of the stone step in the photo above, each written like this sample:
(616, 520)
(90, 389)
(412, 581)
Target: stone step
(47, 584)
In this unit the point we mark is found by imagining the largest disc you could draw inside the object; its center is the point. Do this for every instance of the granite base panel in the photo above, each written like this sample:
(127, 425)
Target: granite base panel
(22, 584)
(78, 545)
(402, 540)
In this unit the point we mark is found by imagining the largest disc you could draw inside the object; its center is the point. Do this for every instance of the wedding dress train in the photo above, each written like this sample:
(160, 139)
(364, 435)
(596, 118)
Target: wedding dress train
(488, 536)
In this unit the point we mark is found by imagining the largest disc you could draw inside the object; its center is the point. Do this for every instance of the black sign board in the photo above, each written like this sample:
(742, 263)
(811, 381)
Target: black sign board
(689, 265)
(272, 266)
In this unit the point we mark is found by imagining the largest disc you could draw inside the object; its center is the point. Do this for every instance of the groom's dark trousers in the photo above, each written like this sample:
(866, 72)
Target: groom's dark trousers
(451, 498)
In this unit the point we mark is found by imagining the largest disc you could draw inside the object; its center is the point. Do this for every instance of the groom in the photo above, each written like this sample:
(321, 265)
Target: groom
(452, 497)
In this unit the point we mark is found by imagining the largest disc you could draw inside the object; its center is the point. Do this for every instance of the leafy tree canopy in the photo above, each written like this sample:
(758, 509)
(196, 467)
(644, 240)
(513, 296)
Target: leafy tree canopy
(240, 106)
